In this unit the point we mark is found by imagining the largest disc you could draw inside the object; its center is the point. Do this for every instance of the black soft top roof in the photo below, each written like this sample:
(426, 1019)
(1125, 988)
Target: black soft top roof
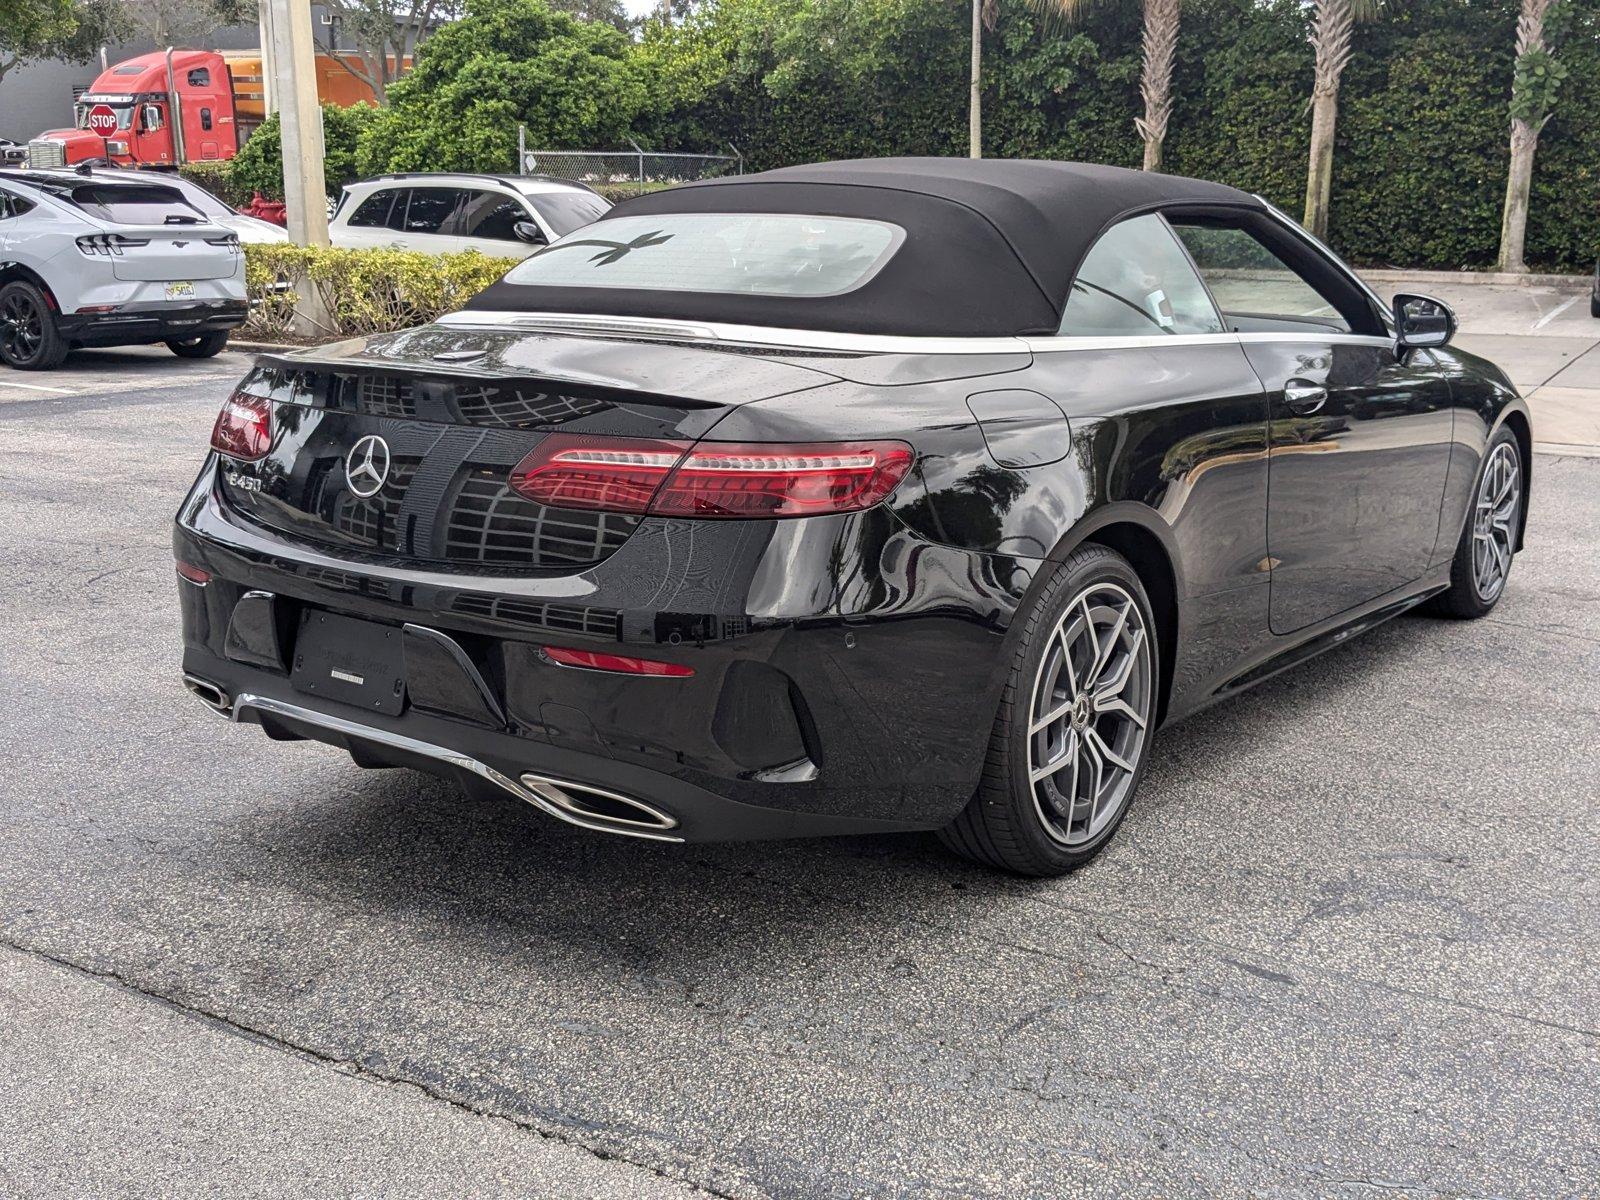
(991, 250)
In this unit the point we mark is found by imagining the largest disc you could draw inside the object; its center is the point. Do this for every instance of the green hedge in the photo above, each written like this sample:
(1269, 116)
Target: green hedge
(364, 291)
(1421, 158)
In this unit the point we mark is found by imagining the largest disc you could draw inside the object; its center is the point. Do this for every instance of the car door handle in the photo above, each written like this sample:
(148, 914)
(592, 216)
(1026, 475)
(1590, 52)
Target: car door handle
(1304, 397)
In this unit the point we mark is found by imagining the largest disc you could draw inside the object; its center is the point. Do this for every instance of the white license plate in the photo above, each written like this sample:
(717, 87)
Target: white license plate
(180, 291)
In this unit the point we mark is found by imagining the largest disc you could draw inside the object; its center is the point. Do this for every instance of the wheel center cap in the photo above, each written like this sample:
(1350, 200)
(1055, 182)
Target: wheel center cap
(1080, 712)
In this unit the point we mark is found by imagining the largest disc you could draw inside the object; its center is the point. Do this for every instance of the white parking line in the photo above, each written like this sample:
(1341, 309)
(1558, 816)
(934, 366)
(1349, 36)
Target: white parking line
(34, 387)
(1555, 312)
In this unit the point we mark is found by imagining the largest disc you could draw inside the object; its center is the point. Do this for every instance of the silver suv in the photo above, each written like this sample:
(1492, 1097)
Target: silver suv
(502, 216)
(87, 261)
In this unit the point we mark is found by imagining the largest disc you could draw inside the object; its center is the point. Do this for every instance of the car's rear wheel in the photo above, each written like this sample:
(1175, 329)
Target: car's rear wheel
(29, 339)
(207, 345)
(1482, 563)
(1074, 726)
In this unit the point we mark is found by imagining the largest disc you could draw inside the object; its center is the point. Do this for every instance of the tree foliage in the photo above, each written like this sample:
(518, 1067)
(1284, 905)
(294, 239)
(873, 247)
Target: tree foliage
(571, 82)
(70, 30)
(258, 167)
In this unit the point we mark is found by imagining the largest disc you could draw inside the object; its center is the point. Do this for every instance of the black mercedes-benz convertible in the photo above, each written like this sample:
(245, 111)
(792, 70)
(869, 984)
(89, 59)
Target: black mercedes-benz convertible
(895, 495)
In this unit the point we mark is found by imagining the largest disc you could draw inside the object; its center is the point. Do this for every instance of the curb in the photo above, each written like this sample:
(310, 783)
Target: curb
(260, 347)
(1575, 283)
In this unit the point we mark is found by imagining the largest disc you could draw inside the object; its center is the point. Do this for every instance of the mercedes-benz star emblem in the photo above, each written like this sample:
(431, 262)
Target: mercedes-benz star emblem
(366, 469)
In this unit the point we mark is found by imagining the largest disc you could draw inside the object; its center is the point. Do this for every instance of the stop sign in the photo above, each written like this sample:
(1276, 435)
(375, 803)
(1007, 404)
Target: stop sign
(102, 119)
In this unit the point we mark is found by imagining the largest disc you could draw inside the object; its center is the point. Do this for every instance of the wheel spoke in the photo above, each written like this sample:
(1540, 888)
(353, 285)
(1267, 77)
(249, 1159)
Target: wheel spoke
(1051, 717)
(1104, 650)
(1117, 706)
(1104, 750)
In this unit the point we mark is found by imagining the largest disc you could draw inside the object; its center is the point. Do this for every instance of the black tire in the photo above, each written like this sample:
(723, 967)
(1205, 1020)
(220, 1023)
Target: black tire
(1467, 597)
(1010, 823)
(29, 339)
(206, 345)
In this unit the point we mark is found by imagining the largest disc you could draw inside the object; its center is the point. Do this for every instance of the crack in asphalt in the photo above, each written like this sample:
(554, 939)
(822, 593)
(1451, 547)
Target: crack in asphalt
(1222, 950)
(236, 1028)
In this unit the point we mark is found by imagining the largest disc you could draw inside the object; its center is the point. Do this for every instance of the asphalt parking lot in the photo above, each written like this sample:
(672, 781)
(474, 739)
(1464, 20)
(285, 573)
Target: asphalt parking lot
(1347, 943)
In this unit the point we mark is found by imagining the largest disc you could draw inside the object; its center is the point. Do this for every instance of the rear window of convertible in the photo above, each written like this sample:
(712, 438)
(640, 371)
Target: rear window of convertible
(764, 254)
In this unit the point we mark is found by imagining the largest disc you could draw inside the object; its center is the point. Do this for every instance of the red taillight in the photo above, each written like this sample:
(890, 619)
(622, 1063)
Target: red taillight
(711, 479)
(193, 573)
(733, 480)
(614, 474)
(591, 660)
(244, 427)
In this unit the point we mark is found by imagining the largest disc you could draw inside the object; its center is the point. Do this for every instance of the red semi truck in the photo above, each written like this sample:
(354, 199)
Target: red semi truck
(175, 106)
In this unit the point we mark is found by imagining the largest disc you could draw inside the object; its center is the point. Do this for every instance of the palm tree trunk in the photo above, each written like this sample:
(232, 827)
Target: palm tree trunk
(1519, 183)
(974, 102)
(1524, 142)
(1331, 28)
(1160, 44)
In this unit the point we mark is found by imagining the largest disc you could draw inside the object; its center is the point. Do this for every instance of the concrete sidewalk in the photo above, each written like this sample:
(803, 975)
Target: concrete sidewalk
(1541, 335)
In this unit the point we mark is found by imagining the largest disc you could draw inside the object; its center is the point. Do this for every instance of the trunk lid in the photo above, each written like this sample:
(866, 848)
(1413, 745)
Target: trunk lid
(442, 417)
(176, 253)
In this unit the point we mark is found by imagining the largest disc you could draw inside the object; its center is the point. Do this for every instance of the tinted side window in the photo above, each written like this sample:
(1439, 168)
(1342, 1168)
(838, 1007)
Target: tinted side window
(373, 212)
(205, 119)
(1137, 281)
(1256, 289)
(200, 77)
(432, 209)
(492, 215)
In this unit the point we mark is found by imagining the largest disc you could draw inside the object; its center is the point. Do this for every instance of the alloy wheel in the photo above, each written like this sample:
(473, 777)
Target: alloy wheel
(1494, 521)
(21, 328)
(1090, 714)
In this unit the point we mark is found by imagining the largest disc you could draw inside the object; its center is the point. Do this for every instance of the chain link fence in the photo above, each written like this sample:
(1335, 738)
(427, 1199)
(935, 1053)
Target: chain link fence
(623, 172)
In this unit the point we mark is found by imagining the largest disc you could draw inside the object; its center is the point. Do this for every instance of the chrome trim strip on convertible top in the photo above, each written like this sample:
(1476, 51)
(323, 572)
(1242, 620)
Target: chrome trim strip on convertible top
(866, 343)
(757, 336)
(455, 758)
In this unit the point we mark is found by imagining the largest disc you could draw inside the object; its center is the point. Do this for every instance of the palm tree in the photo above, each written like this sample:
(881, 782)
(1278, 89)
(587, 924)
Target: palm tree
(984, 13)
(1332, 24)
(1159, 45)
(1533, 97)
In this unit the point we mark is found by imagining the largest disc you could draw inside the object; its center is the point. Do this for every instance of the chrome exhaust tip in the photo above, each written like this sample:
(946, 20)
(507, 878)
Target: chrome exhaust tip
(214, 697)
(599, 808)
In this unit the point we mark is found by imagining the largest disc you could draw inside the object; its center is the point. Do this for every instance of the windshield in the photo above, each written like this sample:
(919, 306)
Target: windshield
(124, 114)
(767, 254)
(566, 211)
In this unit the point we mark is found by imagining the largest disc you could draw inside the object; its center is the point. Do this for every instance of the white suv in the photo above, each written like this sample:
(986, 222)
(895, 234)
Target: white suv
(87, 261)
(501, 216)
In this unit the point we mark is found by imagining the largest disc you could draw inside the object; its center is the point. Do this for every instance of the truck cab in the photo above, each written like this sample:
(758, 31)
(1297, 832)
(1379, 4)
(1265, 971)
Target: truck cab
(158, 110)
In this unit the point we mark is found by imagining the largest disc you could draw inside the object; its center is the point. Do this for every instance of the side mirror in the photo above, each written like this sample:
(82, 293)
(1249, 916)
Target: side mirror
(527, 231)
(1422, 321)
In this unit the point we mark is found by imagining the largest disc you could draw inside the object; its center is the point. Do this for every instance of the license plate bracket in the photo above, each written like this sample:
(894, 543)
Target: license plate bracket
(350, 660)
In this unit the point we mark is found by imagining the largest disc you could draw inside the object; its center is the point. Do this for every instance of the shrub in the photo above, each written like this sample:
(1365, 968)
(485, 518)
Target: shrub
(216, 176)
(364, 291)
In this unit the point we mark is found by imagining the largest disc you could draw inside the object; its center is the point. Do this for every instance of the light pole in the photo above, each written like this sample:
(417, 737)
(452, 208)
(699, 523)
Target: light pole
(294, 58)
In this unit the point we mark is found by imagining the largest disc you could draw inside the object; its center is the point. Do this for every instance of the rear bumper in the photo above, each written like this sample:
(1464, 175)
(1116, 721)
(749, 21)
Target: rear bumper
(845, 680)
(132, 324)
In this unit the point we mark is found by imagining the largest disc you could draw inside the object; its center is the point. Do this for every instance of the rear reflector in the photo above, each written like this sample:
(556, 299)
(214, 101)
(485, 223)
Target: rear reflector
(711, 479)
(244, 427)
(591, 660)
(193, 574)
